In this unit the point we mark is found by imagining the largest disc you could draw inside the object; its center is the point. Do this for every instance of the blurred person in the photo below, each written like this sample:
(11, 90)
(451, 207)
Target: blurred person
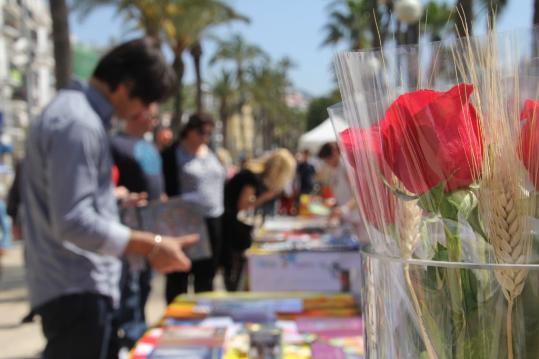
(163, 138)
(226, 160)
(259, 183)
(5, 221)
(69, 213)
(341, 188)
(192, 171)
(139, 171)
(13, 202)
(306, 173)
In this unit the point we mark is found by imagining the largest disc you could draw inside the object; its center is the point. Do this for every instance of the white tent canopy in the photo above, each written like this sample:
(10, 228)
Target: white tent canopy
(321, 134)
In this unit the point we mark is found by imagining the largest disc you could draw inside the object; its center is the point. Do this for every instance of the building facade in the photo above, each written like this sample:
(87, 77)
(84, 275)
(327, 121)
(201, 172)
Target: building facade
(26, 64)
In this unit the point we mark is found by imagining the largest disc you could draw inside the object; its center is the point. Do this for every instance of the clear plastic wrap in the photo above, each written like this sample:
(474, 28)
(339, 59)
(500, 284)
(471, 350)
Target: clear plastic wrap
(442, 148)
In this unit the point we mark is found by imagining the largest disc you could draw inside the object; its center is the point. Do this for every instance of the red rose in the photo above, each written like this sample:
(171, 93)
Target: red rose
(363, 150)
(529, 140)
(430, 136)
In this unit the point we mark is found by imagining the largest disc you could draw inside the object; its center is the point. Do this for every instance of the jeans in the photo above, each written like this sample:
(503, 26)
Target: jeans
(135, 290)
(5, 227)
(79, 326)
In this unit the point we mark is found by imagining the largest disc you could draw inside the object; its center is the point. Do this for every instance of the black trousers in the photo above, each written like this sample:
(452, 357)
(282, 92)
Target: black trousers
(79, 326)
(203, 271)
(233, 264)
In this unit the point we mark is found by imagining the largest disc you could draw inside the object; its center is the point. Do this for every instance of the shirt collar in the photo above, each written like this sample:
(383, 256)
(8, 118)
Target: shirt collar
(99, 103)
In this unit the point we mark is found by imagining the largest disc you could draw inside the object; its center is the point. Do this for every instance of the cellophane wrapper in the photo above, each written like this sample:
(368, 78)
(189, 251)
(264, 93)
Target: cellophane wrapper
(442, 151)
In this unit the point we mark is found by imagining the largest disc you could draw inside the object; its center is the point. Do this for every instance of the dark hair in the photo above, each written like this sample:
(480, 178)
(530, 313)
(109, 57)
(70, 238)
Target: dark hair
(141, 65)
(327, 150)
(197, 121)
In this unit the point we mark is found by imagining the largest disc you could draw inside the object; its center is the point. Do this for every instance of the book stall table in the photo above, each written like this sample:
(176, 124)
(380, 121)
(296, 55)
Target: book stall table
(256, 325)
(303, 254)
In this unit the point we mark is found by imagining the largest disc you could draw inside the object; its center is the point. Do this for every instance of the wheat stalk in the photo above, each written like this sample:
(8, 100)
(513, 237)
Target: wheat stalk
(503, 177)
(505, 226)
(408, 221)
(371, 315)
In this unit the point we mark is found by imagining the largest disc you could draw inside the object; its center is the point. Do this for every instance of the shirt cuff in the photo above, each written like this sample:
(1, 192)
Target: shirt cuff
(117, 240)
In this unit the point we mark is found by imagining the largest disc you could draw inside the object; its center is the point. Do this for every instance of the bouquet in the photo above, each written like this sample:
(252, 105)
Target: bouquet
(442, 149)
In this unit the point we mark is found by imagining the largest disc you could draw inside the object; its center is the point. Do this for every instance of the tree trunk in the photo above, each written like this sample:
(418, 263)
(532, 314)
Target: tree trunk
(270, 128)
(223, 114)
(464, 17)
(196, 53)
(179, 68)
(62, 45)
(535, 40)
(241, 104)
(412, 38)
(491, 15)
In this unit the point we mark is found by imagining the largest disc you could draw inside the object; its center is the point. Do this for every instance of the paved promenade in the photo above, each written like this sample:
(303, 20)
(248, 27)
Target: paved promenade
(26, 341)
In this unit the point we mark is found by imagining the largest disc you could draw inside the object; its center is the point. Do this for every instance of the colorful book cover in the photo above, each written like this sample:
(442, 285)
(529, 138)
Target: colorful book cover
(192, 336)
(186, 352)
(331, 327)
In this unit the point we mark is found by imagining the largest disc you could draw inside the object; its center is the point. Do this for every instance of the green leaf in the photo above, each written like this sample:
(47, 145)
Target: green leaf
(432, 199)
(475, 222)
(463, 200)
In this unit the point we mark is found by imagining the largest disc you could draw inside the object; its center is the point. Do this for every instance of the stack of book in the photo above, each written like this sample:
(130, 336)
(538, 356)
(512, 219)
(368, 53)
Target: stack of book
(227, 325)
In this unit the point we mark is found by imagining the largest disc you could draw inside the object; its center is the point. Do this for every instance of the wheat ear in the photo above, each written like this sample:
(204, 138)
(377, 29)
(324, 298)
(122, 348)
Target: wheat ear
(408, 222)
(511, 244)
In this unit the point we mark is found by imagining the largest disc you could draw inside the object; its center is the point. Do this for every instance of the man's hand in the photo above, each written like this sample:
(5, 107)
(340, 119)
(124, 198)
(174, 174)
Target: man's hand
(169, 256)
(135, 200)
(130, 199)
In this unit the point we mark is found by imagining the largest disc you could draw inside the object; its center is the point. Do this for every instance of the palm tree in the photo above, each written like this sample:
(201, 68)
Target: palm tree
(438, 18)
(196, 54)
(535, 45)
(347, 24)
(214, 13)
(188, 20)
(241, 54)
(223, 89)
(267, 85)
(62, 44)
(181, 22)
(361, 23)
(494, 8)
(148, 15)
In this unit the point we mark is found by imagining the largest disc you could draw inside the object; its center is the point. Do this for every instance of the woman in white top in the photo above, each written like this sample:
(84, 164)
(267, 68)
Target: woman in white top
(192, 171)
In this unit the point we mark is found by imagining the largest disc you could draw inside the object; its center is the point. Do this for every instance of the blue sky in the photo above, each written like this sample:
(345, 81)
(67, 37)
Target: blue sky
(292, 28)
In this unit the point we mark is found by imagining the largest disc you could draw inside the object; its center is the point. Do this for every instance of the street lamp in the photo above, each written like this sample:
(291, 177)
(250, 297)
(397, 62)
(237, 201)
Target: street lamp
(408, 11)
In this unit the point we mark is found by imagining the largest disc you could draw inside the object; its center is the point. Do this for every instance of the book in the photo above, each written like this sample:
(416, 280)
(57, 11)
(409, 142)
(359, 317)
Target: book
(192, 336)
(175, 217)
(186, 352)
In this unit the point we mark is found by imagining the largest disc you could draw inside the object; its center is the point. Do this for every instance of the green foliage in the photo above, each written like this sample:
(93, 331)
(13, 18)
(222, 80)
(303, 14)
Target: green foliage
(266, 87)
(317, 111)
(438, 18)
(359, 23)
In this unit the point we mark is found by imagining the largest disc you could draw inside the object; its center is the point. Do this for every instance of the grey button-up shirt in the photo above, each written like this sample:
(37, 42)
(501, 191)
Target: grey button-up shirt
(70, 218)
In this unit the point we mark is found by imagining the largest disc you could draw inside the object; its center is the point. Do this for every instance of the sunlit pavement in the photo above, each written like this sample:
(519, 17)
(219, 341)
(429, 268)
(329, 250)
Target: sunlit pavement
(26, 341)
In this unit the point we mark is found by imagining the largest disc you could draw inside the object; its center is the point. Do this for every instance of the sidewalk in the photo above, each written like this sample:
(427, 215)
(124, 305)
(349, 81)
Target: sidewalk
(26, 341)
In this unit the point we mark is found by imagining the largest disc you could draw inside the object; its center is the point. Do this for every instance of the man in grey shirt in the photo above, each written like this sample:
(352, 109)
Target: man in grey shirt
(70, 217)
